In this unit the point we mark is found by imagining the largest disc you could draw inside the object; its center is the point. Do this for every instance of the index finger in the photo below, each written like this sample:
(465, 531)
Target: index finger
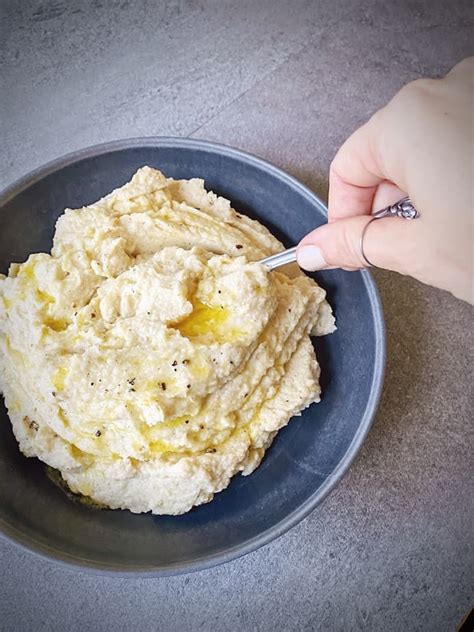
(354, 175)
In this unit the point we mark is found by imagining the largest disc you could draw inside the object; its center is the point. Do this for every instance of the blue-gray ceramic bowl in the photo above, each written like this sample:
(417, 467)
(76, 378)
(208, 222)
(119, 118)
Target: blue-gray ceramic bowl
(308, 457)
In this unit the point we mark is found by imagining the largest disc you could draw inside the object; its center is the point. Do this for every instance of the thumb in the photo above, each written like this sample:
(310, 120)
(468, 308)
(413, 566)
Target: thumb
(389, 242)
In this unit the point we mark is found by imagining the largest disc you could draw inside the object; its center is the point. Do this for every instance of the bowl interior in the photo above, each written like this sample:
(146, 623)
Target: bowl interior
(306, 458)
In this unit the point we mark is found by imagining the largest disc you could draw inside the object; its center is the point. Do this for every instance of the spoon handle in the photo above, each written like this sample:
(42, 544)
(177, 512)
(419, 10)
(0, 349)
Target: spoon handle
(280, 259)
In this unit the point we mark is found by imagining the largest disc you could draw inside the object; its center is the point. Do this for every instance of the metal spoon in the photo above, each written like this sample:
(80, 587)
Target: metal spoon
(280, 259)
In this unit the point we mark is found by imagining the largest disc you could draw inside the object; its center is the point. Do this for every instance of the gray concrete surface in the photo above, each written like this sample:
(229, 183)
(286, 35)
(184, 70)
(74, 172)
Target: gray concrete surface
(390, 549)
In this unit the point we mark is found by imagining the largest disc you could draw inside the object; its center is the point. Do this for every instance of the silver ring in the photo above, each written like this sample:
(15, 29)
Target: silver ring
(403, 208)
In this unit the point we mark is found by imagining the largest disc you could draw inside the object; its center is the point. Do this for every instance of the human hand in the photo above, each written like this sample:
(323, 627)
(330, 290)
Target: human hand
(420, 144)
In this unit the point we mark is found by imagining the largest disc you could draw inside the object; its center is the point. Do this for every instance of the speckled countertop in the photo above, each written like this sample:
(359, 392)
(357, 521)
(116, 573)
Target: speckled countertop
(390, 548)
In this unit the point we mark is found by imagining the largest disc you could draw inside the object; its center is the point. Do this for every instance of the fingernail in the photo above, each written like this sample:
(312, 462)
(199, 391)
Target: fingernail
(311, 258)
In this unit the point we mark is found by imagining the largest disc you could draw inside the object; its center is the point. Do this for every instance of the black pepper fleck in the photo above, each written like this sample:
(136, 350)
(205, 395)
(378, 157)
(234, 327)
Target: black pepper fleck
(53, 393)
(92, 315)
(34, 426)
(98, 433)
(186, 361)
(188, 386)
(92, 383)
(187, 421)
(163, 386)
(174, 363)
(131, 381)
(238, 246)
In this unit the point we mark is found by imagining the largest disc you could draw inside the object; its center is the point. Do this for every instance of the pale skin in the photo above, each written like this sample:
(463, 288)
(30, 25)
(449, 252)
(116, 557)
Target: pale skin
(420, 144)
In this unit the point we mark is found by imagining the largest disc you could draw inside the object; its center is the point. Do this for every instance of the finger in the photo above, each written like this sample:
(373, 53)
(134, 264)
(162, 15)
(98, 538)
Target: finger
(346, 199)
(355, 174)
(464, 68)
(388, 243)
(386, 194)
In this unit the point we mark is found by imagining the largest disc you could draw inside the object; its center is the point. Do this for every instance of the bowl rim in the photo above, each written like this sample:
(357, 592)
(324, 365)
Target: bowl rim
(76, 563)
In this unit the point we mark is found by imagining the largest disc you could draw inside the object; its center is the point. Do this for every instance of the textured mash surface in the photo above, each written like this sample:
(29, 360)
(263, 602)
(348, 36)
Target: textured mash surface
(149, 358)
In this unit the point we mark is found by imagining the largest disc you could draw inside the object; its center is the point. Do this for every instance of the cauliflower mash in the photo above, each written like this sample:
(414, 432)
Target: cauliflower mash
(148, 358)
